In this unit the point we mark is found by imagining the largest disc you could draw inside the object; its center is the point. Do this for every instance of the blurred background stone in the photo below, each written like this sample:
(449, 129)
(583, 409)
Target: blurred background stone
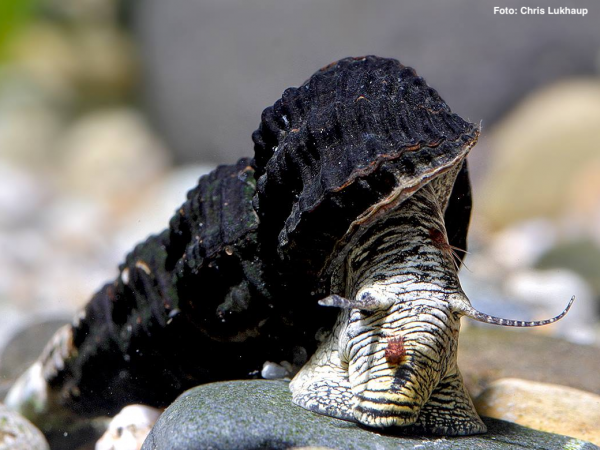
(548, 292)
(539, 153)
(17, 433)
(23, 349)
(111, 155)
(541, 406)
(31, 121)
(210, 68)
(21, 194)
(489, 353)
(582, 256)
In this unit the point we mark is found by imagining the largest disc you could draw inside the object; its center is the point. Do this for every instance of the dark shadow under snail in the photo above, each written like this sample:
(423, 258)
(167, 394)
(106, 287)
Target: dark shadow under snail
(356, 198)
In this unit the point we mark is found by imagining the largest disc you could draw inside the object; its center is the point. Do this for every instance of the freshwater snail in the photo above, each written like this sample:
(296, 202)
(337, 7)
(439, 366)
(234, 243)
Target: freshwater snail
(358, 191)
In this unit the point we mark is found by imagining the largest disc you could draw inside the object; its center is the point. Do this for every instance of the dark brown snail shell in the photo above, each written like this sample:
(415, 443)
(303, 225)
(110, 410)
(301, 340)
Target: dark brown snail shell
(235, 279)
(330, 151)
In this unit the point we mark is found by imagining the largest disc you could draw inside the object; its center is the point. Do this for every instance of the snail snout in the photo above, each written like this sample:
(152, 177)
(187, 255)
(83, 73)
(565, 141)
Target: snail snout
(385, 403)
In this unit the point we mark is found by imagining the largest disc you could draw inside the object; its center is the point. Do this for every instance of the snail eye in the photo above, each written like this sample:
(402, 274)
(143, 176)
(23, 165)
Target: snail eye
(366, 314)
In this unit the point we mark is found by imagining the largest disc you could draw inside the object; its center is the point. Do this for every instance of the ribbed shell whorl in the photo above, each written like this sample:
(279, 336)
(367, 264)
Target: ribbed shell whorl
(357, 131)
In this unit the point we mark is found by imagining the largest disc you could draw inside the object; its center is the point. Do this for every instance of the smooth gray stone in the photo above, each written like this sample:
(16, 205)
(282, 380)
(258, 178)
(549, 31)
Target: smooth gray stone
(259, 414)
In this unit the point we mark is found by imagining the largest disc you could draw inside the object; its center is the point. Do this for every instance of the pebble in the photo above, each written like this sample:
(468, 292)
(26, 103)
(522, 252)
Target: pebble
(299, 356)
(111, 154)
(547, 292)
(17, 433)
(273, 371)
(546, 407)
(520, 245)
(129, 428)
(18, 185)
(529, 175)
(489, 353)
(581, 255)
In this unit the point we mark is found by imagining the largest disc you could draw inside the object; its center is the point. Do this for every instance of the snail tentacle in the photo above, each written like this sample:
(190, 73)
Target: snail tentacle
(466, 309)
(365, 302)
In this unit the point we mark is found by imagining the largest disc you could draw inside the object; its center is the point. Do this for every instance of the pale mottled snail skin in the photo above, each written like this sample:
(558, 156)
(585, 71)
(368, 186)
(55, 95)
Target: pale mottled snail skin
(358, 187)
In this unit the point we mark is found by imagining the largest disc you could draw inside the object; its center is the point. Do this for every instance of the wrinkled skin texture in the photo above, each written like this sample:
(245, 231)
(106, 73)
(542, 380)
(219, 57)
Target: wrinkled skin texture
(405, 281)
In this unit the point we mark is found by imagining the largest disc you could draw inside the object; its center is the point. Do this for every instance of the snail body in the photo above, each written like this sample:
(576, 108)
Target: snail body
(358, 188)
(396, 360)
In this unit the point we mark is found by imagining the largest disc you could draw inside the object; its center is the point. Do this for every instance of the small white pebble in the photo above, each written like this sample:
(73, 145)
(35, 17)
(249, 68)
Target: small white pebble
(129, 428)
(273, 371)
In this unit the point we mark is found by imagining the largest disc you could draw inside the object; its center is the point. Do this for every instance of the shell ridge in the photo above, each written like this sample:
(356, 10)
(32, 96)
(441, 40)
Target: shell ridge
(357, 175)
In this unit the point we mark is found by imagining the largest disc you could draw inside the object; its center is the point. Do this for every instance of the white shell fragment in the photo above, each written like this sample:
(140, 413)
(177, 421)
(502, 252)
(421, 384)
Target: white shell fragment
(129, 428)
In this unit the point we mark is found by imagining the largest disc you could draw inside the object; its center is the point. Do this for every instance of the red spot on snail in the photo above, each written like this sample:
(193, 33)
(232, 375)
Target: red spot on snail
(395, 351)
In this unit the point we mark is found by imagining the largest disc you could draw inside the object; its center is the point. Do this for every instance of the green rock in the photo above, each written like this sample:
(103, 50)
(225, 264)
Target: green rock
(259, 414)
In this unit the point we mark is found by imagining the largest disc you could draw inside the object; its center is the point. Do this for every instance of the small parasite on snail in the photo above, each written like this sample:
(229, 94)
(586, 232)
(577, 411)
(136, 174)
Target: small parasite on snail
(395, 351)
(352, 217)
